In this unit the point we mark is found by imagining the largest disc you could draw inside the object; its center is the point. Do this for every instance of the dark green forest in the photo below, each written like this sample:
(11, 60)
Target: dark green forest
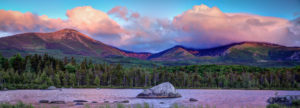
(42, 71)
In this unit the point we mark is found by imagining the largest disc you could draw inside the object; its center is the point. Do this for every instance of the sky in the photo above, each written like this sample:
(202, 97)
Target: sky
(155, 25)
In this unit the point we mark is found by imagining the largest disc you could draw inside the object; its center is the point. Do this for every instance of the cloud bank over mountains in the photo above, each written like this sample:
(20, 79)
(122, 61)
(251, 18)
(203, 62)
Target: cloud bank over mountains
(199, 27)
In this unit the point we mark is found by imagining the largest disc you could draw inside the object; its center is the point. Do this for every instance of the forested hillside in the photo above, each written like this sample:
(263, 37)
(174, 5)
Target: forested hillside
(38, 72)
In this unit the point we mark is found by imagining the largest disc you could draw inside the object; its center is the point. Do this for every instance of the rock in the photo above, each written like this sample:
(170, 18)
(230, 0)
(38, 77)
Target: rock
(193, 100)
(52, 88)
(161, 103)
(60, 89)
(98, 88)
(80, 101)
(5, 89)
(57, 102)
(125, 101)
(94, 102)
(163, 90)
(106, 101)
(283, 100)
(44, 101)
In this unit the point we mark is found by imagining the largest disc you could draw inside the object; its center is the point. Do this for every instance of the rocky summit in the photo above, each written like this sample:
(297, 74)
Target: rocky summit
(163, 90)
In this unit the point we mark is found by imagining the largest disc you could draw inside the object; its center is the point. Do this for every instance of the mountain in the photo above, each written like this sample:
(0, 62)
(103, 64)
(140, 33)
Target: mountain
(63, 42)
(176, 53)
(69, 42)
(236, 52)
(262, 52)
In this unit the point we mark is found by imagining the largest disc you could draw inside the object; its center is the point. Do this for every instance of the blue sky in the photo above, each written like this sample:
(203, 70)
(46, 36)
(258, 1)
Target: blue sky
(157, 8)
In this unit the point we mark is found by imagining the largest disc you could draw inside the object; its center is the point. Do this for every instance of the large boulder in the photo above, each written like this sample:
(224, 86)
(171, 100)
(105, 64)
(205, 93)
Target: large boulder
(163, 90)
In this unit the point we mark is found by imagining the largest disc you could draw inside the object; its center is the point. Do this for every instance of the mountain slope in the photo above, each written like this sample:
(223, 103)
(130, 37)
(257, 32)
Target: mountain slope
(175, 53)
(262, 52)
(236, 52)
(65, 42)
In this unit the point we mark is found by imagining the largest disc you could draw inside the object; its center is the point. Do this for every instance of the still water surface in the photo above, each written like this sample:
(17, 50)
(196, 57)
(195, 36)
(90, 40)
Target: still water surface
(217, 98)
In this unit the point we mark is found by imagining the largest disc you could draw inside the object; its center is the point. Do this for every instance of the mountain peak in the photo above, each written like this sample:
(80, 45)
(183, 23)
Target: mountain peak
(178, 46)
(68, 30)
(260, 44)
(68, 33)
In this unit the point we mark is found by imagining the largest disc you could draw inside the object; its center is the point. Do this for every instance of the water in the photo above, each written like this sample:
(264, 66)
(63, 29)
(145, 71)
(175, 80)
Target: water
(217, 98)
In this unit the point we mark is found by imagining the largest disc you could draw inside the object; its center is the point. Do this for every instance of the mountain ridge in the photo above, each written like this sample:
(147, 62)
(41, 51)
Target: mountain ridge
(69, 42)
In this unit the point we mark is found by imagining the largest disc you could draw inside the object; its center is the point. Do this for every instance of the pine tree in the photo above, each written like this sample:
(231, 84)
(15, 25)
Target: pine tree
(28, 66)
(87, 79)
(97, 81)
(57, 80)
(72, 79)
(65, 79)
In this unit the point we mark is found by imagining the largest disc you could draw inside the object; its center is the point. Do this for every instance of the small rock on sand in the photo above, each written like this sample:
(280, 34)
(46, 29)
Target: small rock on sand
(125, 101)
(44, 101)
(80, 101)
(57, 102)
(193, 100)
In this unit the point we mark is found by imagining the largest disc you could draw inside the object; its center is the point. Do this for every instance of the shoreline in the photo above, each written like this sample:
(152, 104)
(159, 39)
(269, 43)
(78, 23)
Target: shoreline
(104, 96)
(176, 88)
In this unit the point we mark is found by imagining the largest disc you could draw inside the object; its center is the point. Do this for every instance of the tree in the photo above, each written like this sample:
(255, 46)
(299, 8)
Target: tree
(73, 61)
(97, 81)
(72, 79)
(57, 80)
(66, 61)
(17, 63)
(49, 82)
(70, 68)
(28, 66)
(87, 79)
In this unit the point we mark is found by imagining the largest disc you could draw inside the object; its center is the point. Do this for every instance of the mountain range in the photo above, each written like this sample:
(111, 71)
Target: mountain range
(69, 42)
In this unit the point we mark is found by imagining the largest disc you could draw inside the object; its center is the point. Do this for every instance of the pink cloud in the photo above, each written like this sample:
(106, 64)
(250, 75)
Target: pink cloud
(135, 15)
(123, 13)
(85, 19)
(14, 21)
(93, 21)
(203, 26)
(119, 11)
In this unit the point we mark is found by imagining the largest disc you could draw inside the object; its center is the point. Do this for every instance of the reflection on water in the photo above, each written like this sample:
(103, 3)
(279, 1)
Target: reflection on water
(218, 98)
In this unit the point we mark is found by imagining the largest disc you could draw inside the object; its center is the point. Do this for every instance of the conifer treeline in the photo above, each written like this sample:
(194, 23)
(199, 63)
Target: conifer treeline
(36, 71)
